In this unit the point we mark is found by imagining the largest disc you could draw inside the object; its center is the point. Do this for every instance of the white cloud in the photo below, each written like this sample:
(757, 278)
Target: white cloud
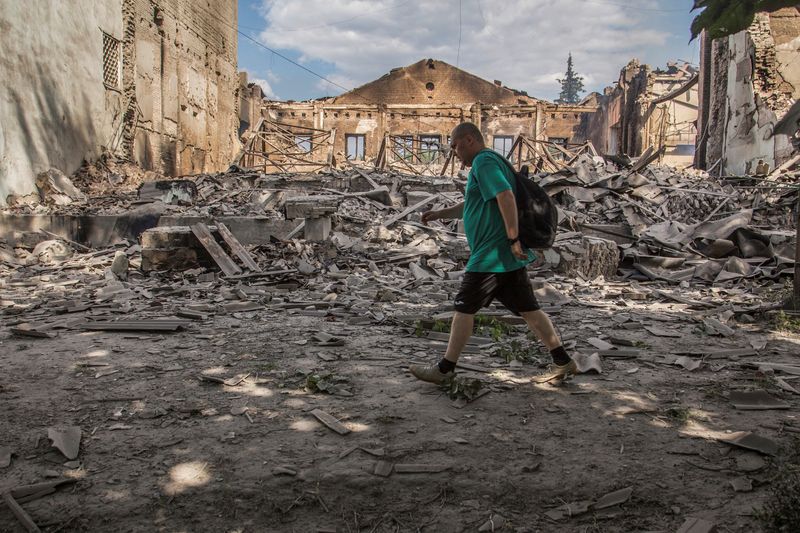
(516, 41)
(266, 87)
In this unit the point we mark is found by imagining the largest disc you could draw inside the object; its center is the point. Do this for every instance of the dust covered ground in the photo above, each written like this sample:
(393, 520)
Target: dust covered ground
(163, 450)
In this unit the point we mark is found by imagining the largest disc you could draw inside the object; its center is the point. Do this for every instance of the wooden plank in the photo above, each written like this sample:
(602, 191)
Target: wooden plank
(222, 259)
(364, 175)
(330, 421)
(237, 247)
(135, 325)
(415, 468)
(408, 211)
(20, 513)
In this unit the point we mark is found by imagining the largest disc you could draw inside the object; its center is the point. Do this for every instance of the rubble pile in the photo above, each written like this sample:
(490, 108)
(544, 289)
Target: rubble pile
(644, 222)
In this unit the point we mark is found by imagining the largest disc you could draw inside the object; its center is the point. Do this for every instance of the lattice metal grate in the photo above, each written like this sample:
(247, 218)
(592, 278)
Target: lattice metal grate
(112, 64)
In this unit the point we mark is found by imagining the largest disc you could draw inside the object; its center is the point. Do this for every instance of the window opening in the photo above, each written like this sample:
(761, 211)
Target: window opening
(355, 146)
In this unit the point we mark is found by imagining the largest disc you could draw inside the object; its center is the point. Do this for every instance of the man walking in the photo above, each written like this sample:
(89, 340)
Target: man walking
(497, 262)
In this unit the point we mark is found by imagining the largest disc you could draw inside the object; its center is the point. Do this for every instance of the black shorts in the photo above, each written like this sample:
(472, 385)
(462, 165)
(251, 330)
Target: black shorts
(513, 289)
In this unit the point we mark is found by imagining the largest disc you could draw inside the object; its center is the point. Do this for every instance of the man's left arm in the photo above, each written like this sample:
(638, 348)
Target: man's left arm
(508, 209)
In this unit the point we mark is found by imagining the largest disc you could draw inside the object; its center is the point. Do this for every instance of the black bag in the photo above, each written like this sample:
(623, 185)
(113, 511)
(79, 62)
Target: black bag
(536, 213)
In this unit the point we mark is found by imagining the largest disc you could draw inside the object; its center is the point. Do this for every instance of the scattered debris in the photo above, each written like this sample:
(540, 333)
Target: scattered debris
(66, 439)
(755, 400)
(697, 525)
(751, 441)
(330, 421)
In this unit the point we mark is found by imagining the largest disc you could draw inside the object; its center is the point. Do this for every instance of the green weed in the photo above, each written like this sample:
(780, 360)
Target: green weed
(781, 512)
(787, 323)
(458, 387)
(492, 327)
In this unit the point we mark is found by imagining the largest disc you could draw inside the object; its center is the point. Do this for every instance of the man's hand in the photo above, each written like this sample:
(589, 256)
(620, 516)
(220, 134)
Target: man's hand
(427, 216)
(518, 252)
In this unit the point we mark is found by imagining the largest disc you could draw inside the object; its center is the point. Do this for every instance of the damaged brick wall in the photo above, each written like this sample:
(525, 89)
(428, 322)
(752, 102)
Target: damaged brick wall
(568, 122)
(181, 75)
(616, 126)
(753, 78)
(413, 122)
(426, 100)
(645, 109)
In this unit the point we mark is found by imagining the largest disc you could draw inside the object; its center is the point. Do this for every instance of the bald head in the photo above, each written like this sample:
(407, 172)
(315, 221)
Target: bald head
(467, 129)
(466, 141)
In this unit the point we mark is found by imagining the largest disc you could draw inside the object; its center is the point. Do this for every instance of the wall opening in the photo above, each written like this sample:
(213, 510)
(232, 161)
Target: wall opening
(112, 62)
(355, 146)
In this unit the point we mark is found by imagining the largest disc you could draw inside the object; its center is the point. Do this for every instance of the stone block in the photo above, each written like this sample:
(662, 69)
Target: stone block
(593, 257)
(310, 206)
(167, 237)
(317, 229)
(415, 197)
(171, 259)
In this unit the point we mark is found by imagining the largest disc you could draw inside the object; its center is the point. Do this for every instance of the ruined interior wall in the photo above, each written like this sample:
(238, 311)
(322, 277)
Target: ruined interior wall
(618, 125)
(634, 125)
(600, 127)
(717, 106)
(251, 98)
(186, 85)
(568, 122)
(54, 109)
(754, 101)
(672, 123)
(755, 77)
(377, 121)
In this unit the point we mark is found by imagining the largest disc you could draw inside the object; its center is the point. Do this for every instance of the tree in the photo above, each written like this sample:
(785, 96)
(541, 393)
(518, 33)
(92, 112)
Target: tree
(721, 18)
(571, 85)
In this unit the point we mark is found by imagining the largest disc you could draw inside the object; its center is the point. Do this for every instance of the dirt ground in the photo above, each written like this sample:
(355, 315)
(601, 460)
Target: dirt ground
(162, 450)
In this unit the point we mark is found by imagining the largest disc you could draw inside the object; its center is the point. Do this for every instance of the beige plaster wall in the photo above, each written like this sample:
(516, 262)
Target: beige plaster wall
(54, 108)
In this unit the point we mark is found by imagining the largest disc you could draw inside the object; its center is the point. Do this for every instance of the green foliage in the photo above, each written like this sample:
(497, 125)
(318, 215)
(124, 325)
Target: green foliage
(514, 350)
(679, 414)
(571, 85)
(458, 387)
(781, 511)
(423, 326)
(326, 383)
(787, 323)
(491, 326)
(721, 18)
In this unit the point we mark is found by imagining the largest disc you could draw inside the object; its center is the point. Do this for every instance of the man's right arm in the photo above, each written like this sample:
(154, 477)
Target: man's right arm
(456, 211)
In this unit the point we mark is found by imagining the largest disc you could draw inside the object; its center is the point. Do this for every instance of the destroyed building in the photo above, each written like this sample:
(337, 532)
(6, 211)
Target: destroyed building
(748, 83)
(229, 351)
(404, 119)
(648, 109)
(152, 81)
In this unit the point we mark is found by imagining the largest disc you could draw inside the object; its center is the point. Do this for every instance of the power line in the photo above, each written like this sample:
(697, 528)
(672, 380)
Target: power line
(628, 6)
(295, 63)
(335, 23)
(458, 54)
(480, 10)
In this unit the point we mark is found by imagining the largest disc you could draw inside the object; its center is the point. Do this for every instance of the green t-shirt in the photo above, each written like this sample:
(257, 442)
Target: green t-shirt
(483, 223)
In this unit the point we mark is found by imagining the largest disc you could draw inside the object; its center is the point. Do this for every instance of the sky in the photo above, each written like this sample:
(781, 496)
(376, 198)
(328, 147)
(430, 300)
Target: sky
(523, 43)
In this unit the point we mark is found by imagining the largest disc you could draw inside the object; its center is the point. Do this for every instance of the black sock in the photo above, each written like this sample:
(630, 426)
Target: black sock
(560, 356)
(446, 366)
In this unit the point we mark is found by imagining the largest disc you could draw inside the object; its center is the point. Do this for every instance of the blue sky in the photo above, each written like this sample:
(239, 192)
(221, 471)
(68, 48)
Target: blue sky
(523, 43)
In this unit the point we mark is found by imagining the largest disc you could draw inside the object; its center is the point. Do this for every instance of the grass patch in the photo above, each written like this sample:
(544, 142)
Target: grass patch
(787, 323)
(485, 326)
(680, 415)
(422, 327)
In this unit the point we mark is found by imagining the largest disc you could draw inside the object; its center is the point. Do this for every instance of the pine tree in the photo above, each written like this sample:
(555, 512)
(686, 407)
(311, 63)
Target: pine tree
(571, 85)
